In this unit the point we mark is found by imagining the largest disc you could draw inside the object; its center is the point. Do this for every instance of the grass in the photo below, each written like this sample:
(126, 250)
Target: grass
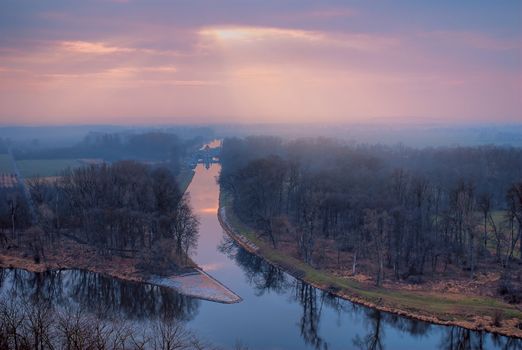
(6, 165)
(45, 167)
(415, 303)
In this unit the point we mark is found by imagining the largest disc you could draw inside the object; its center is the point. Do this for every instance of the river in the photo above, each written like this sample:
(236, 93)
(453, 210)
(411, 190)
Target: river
(277, 311)
(280, 312)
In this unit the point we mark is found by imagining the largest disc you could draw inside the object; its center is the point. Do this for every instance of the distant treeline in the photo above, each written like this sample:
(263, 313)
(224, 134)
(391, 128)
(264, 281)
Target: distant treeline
(404, 210)
(150, 146)
(3, 145)
(32, 137)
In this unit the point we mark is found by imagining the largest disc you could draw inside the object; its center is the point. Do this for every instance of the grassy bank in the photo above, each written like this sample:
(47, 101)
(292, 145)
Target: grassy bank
(477, 312)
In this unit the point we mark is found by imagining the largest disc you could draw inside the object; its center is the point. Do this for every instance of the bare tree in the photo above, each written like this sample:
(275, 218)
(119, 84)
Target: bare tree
(484, 203)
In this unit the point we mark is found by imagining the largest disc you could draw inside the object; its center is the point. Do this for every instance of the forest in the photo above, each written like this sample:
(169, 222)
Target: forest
(150, 146)
(392, 212)
(125, 208)
(126, 203)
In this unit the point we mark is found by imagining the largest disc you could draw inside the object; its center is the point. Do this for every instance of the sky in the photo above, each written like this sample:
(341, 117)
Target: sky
(250, 61)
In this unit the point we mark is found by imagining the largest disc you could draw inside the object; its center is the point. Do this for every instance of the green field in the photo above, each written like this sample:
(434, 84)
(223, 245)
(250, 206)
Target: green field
(45, 167)
(5, 163)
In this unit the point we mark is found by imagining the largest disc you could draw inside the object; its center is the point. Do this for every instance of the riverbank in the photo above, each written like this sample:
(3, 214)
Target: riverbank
(184, 178)
(68, 254)
(452, 309)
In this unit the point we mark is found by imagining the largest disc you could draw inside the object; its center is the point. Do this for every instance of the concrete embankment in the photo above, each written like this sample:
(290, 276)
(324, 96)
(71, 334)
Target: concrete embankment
(198, 284)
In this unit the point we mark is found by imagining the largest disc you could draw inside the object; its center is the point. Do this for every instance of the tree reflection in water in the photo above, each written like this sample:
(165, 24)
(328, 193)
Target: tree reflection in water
(372, 340)
(265, 277)
(112, 298)
(262, 276)
(309, 322)
(463, 339)
(107, 297)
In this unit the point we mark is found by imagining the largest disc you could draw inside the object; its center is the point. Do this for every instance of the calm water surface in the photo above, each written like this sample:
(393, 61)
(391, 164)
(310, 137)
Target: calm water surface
(277, 311)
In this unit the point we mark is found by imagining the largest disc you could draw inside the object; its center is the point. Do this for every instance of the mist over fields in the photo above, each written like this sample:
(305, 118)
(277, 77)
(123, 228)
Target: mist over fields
(413, 135)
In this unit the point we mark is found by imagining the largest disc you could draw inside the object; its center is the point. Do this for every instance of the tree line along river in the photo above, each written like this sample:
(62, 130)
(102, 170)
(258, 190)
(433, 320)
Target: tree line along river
(277, 311)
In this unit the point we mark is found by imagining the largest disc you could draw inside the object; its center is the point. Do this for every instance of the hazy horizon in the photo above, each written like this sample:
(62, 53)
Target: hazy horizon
(408, 134)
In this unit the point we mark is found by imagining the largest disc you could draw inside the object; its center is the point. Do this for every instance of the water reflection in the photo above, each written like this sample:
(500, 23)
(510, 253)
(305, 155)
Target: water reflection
(311, 315)
(372, 340)
(463, 339)
(264, 277)
(104, 296)
(111, 298)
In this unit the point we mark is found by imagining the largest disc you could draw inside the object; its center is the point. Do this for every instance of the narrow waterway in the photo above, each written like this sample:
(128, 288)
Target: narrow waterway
(280, 312)
(277, 311)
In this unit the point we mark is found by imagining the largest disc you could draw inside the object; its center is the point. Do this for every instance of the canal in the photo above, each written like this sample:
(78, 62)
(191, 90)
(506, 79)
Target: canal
(280, 312)
(277, 311)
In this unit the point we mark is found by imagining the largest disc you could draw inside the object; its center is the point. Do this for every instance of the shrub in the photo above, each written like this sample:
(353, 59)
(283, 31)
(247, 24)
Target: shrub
(498, 316)
(509, 292)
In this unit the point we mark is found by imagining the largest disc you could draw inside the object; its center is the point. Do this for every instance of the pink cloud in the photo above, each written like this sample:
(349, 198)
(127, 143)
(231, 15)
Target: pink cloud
(258, 36)
(93, 47)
